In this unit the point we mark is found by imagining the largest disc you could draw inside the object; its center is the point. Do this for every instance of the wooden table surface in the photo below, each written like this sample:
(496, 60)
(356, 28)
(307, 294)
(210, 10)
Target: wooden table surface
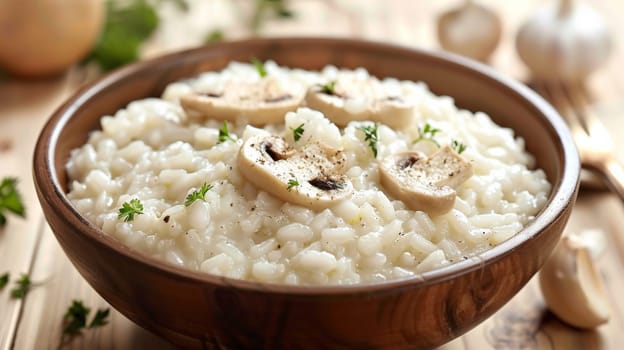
(28, 246)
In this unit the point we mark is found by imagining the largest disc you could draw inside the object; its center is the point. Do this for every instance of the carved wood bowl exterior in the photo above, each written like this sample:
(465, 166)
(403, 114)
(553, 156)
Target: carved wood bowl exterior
(197, 310)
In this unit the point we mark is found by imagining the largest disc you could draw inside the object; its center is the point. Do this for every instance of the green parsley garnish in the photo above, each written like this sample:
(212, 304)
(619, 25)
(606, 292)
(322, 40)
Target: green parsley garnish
(100, 318)
(182, 5)
(224, 133)
(259, 67)
(329, 88)
(129, 209)
(214, 36)
(266, 8)
(76, 318)
(292, 183)
(370, 135)
(197, 195)
(297, 132)
(22, 286)
(10, 199)
(128, 25)
(458, 146)
(427, 133)
(4, 280)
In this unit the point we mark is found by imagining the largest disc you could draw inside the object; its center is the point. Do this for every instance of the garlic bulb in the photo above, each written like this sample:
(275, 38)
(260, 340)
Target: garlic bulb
(566, 41)
(572, 287)
(471, 30)
(592, 238)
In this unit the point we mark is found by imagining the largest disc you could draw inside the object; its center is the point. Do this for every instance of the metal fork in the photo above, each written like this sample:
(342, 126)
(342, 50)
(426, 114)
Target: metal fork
(591, 136)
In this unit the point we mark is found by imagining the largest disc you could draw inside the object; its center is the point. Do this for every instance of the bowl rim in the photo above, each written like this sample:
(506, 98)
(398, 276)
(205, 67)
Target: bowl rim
(50, 190)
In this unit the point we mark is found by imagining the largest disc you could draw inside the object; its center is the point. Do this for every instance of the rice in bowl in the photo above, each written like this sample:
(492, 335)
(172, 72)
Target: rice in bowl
(158, 152)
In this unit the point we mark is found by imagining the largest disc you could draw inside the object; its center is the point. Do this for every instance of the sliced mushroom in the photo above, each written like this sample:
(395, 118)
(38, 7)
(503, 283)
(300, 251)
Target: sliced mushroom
(260, 103)
(393, 111)
(312, 176)
(572, 287)
(425, 183)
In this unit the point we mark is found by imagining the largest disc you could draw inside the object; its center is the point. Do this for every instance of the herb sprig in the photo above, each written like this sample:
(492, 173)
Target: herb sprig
(4, 280)
(197, 194)
(76, 318)
(22, 286)
(100, 318)
(458, 146)
(427, 133)
(329, 88)
(292, 183)
(370, 136)
(277, 7)
(259, 67)
(129, 209)
(214, 36)
(224, 133)
(125, 30)
(10, 199)
(298, 132)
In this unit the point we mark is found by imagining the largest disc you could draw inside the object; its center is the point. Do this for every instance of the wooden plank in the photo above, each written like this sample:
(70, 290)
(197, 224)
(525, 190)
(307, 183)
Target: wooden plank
(58, 284)
(24, 107)
(523, 322)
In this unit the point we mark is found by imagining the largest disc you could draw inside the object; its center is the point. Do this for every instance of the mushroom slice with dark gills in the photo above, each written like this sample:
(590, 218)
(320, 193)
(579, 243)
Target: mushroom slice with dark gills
(312, 176)
(425, 183)
(262, 102)
(347, 100)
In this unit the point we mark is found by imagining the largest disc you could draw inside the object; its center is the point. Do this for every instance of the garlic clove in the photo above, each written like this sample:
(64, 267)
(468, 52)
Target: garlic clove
(594, 239)
(568, 41)
(471, 30)
(572, 287)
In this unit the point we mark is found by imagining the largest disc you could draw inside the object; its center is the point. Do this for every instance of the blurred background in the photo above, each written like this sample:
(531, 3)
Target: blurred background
(41, 37)
(49, 48)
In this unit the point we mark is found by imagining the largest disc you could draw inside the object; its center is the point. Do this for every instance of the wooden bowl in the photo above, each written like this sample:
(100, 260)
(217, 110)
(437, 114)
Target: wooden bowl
(194, 309)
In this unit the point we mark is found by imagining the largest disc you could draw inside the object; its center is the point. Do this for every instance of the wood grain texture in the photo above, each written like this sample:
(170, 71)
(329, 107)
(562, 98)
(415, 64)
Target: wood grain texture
(25, 106)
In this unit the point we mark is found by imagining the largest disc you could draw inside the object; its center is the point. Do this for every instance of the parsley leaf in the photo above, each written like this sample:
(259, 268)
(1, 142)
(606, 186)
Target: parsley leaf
(214, 36)
(129, 209)
(297, 132)
(292, 183)
(4, 280)
(259, 67)
(127, 27)
(427, 133)
(75, 318)
(197, 195)
(278, 7)
(100, 318)
(182, 5)
(458, 146)
(370, 135)
(10, 199)
(224, 134)
(22, 286)
(329, 88)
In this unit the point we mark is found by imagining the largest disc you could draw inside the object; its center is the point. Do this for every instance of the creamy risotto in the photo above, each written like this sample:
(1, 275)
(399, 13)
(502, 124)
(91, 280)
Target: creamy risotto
(302, 177)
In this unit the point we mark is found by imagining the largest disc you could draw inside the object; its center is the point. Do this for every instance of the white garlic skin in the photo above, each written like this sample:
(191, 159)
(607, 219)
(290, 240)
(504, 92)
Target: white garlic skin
(572, 286)
(566, 42)
(471, 30)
